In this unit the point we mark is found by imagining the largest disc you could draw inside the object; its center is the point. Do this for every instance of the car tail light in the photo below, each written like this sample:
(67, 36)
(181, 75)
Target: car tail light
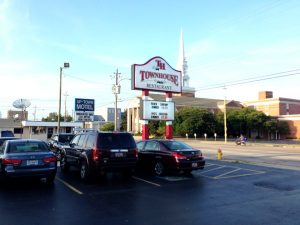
(178, 156)
(14, 162)
(136, 153)
(199, 155)
(95, 154)
(49, 159)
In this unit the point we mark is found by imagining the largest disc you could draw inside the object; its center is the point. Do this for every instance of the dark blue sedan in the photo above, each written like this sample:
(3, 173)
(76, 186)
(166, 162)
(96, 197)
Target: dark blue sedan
(27, 158)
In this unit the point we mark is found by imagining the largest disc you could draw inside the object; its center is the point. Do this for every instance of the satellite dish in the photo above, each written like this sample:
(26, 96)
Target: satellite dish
(21, 103)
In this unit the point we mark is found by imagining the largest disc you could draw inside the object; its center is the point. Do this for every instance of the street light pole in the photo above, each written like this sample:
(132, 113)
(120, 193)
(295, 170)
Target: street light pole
(66, 65)
(116, 91)
(65, 117)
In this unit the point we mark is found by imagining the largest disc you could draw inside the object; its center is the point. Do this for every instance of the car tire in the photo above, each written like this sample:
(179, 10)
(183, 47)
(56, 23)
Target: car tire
(187, 172)
(64, 165)
(128, 173)
(58, 155)
(159, 168)
(85, 173)
(50, 179)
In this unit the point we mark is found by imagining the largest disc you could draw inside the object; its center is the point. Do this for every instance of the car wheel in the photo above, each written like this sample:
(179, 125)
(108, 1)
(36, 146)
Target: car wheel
(64, 165)
(84, 171)
(58, 155)
(187, 172)
(128, 173)
(50, 179)
(159, 168)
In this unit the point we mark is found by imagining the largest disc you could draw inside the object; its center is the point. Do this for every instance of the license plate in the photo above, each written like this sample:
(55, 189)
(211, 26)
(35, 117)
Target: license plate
(194, 165)
(32, 162)
(119, 154)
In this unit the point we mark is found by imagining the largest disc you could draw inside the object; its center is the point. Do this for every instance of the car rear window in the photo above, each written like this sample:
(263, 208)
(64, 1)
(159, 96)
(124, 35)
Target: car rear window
(116, 141)
(7, 133)
(175, 145)
(65, 138)
(19, 147)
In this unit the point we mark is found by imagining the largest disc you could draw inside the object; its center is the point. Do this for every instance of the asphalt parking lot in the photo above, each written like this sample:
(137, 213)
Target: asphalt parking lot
(222, 193)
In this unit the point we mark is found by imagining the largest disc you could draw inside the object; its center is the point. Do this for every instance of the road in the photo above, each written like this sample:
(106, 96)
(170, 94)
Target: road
(267, 154)
(226, 192)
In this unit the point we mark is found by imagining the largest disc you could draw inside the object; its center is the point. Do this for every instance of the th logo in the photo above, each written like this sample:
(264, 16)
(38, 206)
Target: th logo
(160, 65)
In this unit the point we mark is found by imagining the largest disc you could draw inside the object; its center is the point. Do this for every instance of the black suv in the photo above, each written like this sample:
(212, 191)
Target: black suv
(96, 152)
(60, 141)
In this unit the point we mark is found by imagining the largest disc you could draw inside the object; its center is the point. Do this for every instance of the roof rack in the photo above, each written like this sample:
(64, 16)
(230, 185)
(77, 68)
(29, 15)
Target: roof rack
(81, 130)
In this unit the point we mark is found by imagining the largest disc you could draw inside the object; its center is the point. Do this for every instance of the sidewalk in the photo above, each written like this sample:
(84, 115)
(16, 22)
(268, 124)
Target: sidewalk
(293, 143)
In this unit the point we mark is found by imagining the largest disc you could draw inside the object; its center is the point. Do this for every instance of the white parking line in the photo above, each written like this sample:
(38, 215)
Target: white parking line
(69, 186)
(232, 171)
(146, 181)
(213, 169)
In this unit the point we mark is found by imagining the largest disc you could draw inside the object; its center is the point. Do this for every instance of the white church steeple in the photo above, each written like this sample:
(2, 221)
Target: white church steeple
(183, 67)
(182, 63)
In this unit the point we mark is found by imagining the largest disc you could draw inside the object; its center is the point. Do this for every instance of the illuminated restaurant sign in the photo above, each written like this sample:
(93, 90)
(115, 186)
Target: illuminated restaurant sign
(156, 110)
(156, 75)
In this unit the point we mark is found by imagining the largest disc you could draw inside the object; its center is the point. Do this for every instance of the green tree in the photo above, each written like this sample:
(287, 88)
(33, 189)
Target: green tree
(274, 126)
(108, 127)
(191, 120)
(283, 127)
(219, 126)
(157, 128)
(244, 121)
(53, 116)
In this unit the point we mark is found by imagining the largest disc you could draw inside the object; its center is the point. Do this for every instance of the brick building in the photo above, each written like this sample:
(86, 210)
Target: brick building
(284, 109)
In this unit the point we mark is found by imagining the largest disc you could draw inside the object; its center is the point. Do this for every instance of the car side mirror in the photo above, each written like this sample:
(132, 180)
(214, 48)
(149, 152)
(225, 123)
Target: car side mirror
(72, 145)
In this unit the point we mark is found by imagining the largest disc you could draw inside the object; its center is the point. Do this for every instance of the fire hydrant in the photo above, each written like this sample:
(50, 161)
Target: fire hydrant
(219, 154)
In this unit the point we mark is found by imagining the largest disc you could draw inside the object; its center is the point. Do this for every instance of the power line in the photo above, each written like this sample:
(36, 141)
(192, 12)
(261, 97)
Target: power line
(251, 80)
(88, 81)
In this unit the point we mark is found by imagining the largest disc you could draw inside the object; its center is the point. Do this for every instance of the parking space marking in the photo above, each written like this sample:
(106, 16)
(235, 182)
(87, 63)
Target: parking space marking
(69, 186)
(213, 169)
(232, 171)
(174, 178)
(209, 164)
(146, 181)
(242, 175)
(241, 172)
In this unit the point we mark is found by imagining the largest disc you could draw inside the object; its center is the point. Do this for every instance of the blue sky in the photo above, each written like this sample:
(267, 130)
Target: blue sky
(225, 41)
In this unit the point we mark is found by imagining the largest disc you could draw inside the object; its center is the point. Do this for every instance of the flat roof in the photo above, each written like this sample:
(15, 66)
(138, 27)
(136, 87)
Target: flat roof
(51, 124)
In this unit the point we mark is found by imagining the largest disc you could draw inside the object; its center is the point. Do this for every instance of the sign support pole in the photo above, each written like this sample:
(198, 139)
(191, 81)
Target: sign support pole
(145, 126)
(169, 126)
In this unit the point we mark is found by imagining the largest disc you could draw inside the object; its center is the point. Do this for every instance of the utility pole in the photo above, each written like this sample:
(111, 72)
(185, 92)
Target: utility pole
(34, 114)
(66, 95)
(66, 65)
(225, 117)
(116, 91)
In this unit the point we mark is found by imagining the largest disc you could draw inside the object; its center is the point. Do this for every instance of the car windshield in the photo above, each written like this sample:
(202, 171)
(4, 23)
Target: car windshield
(116, 141)
(176, 145)
(19, 147)
(65, 138)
